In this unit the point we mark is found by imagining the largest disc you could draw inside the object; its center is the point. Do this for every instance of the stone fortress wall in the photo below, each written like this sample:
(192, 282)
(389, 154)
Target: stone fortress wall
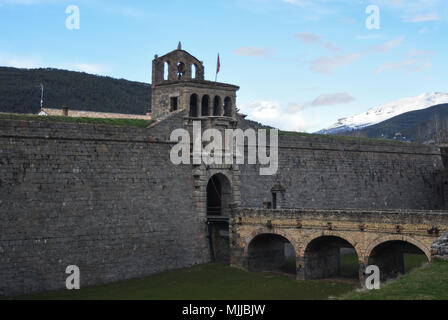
(104, 198)
(109, 200)
(320, 172)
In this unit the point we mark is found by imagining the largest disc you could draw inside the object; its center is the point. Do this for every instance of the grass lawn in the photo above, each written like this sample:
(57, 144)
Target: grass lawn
(140, 123)
(208, 282)
(221, 282)
(349, 266)
(429, 282)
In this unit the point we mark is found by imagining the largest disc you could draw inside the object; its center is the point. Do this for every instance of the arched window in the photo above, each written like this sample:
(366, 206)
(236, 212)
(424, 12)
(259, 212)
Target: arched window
(180, 70)
(217, 106)
(166, 70)
(205, 106)
(194, 105)
(193, 70)
(228, 107)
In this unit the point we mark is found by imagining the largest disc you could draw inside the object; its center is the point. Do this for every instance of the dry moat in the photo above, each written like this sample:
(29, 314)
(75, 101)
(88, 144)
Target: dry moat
(218, 281)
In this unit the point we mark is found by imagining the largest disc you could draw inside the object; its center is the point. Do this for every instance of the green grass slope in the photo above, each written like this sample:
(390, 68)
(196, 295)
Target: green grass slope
(208, 282)
(426, 283)
(140, 123)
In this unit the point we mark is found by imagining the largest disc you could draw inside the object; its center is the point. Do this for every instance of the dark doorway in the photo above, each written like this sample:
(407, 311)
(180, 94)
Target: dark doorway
(214, 196)
(219, 196)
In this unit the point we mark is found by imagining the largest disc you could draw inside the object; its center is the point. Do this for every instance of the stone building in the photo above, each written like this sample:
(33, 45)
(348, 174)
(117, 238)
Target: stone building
(178, 81)
(109, 200)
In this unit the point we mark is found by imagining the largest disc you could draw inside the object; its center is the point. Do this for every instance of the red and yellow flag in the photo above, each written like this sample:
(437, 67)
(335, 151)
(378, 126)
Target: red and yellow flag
(218, 66)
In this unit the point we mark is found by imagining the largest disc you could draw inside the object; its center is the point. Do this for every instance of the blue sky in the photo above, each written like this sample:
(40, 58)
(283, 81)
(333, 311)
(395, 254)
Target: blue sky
(301, 64)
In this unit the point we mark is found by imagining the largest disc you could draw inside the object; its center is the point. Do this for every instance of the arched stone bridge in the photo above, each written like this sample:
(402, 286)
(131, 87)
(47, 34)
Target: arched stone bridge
(261, 239)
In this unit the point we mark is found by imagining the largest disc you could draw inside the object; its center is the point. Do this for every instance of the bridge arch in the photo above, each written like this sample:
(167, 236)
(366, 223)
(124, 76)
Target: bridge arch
(378, 241)
(266, 230)
(271, 251)
(321, 257)
(388, 254)
(329, 233)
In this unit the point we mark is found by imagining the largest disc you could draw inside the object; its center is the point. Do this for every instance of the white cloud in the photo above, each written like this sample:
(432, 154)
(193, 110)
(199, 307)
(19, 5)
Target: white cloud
(307, 38)
(291, 117)
(415, 61)
(270, 113)
(415, 53)
(311, 38)
(414, 10)
(424, 18)
(14, 61)
(332, 99)
(326, 65)
(409, 66)
(331, 46)
(409, 6)
(262, 110)
(323, 100)
(367, 37)
(389, 45)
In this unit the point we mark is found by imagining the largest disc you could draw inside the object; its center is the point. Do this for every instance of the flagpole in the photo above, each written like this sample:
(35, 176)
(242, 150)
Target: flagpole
(218, 67)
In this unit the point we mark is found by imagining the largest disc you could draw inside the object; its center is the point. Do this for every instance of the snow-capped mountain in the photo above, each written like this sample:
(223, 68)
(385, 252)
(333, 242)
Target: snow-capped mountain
(387, 111)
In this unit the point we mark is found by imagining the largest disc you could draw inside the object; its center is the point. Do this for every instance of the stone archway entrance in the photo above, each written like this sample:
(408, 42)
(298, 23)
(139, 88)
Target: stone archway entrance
(272, 253)
(219, 196)
(326, 257)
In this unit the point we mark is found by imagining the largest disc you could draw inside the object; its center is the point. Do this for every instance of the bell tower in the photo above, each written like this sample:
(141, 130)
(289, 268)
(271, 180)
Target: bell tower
(178, 84)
